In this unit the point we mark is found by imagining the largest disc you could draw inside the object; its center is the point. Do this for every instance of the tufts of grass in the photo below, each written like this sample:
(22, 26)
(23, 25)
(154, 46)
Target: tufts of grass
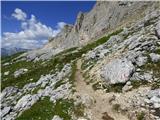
(59, 83)
(79, 110)
(108, 87)
(137, 83)
(63, 108)
(155, 85)
(141, 116)
(116, 107)
(154, 67)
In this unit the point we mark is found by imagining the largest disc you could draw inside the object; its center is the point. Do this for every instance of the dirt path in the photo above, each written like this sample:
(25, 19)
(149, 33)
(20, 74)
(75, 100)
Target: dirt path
(102, 104)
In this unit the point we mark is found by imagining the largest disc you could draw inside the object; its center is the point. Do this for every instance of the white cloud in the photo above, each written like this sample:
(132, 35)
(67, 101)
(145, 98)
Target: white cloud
(33, 35)
(19, 14)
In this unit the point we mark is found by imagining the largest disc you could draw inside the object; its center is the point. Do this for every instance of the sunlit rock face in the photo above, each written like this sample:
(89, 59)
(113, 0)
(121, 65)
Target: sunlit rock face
(104, 16)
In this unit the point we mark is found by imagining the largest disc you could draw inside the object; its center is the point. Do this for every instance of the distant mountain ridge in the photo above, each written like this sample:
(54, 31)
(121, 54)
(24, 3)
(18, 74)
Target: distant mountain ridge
(11, 51)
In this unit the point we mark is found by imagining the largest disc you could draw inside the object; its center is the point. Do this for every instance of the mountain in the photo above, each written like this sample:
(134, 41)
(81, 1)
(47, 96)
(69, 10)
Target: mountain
(11, 51)
(105, 67)
(103, 18)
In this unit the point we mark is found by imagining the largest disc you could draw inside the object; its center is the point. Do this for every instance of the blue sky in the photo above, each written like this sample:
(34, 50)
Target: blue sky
(20, 18)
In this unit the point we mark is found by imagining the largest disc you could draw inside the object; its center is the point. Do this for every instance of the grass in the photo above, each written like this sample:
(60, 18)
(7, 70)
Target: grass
(155, 85)
(37, 69)
(6, 59)
(154, 67)
(59, 83)
(116, 107)
(45, 110)
(137, 83)
(35, 72)
(41, 110)
(109, 88)
(141, 116)
(63, 108)
(79, 110)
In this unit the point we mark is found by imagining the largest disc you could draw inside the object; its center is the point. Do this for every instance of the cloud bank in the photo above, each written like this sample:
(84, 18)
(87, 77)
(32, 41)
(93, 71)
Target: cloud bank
(33, 35)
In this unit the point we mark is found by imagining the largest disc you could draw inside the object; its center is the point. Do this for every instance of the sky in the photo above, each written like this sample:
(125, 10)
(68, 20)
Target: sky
(29, 24)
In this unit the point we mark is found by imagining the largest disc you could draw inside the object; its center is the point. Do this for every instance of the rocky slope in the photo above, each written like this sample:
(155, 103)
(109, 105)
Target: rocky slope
(104, 17)
(114, 77)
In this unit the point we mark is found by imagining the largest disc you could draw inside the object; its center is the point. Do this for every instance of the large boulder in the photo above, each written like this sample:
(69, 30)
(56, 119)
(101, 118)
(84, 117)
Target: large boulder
(117, 71)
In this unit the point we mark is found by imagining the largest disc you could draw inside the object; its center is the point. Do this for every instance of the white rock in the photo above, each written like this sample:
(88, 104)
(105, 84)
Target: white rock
(19, 72)
(127, 88)
(117, 71)
(141, 60)
(5, 111)
(155, 57)
(56, 117)
(26, 101)
(6, 73)
(156, 105)
(5, 64)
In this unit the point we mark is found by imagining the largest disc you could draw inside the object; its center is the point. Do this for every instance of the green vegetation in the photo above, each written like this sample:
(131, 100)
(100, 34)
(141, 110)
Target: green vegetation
(154, 67)
(155, 85)
(138, 83)
(63, 108)
(109, 88)
(6, 59)
(99, 41)
(45, 110)
(79, 110)
(116, 107)
(140, 116)
(36, 69)
(59, 83)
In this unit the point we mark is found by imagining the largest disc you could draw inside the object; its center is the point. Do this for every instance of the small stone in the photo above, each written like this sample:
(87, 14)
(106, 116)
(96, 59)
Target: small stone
(6, 73)
(56, 117)
(155, 57)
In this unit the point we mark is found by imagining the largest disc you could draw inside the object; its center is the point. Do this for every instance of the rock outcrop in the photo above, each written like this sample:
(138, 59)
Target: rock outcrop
(104, 17)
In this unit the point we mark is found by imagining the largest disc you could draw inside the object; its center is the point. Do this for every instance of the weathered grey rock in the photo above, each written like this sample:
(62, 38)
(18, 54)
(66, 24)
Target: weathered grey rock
(142, 76)
(20, 72)
(155, 57)
(141, 60)
(158, 30)
(5, 111)
(26, 102)
(117, 71)
(8, 91)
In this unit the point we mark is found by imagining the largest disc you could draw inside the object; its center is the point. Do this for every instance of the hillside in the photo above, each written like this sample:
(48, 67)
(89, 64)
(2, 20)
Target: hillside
(105, 67)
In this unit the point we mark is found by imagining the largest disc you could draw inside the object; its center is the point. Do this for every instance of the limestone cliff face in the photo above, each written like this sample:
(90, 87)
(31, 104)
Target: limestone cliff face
(104, 17)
